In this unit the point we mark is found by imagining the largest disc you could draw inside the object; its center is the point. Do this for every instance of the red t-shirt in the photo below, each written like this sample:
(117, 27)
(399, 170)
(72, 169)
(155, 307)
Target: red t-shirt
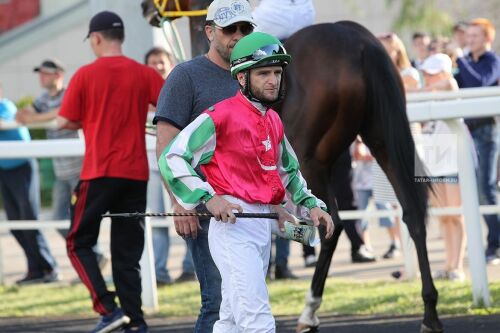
(110, 97)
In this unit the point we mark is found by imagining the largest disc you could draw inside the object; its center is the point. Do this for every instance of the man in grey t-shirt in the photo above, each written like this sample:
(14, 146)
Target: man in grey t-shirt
(191, 88)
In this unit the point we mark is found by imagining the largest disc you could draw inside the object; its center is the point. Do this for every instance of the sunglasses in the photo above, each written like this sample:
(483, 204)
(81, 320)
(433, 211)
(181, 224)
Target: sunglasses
(245, 29)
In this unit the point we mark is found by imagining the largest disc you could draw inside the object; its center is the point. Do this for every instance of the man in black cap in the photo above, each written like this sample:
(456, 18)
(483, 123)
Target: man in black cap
(109, 100)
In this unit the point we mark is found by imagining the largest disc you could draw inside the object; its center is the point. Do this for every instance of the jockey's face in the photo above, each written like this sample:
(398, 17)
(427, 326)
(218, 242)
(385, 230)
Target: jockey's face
(222, 40)
(265, 83)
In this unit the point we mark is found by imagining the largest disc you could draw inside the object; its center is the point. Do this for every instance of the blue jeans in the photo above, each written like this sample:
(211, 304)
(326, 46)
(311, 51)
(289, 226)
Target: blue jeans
(161, 250)
(362, 198)
(161, 239)
(282, 252)
(486, 141)
(209, 279)
(19, 188)
(61, 197)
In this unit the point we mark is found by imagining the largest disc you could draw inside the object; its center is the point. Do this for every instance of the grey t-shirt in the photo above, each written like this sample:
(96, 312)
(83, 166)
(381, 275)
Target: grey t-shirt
(191, 88)
(65, 168)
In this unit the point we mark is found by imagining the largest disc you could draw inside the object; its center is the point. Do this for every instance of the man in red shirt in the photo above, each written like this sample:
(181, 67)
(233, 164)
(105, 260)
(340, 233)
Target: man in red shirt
(109, 100)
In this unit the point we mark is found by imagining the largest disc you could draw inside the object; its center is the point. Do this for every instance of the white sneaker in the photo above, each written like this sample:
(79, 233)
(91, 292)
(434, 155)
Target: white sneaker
(310, 260)
(456, 276)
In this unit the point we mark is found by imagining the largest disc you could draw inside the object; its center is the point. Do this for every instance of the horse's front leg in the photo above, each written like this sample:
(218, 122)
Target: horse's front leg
(308, 322)
(431, 322)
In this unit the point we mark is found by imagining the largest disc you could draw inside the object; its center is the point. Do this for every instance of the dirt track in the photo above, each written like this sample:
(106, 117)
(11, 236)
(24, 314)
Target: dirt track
(330, 324)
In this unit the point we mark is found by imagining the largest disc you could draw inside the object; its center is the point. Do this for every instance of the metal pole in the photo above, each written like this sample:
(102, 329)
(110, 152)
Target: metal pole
(149, 290)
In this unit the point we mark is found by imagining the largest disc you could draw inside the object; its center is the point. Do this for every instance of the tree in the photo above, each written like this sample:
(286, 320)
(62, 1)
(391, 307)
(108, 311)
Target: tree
(421, 15)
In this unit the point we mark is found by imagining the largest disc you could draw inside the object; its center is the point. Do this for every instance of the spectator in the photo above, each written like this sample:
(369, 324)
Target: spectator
(382, 190)
(163, 62)
(109, 100)
(20, 203)
(236, 129)
(362, 184)
(481, 68)
(282, 18)
(66, 169)
(437, 71)
(191, 88)
(397, 51)
(459, 39)
(420, 43)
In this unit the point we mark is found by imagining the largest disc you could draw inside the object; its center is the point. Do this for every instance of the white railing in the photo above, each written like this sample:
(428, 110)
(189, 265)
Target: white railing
(447, 106)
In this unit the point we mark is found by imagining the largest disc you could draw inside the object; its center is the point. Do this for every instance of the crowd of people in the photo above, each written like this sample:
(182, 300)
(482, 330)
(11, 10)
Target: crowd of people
(440, 64)
(110, 100)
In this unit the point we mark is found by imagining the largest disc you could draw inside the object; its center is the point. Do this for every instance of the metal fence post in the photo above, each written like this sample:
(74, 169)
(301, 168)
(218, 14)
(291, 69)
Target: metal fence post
(470, 203)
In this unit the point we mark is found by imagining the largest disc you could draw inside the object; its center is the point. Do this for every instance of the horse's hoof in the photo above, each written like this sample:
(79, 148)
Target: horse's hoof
(301, 328)
(426, 329)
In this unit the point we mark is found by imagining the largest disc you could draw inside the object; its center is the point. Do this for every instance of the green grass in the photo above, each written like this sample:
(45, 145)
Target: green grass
(341, 297)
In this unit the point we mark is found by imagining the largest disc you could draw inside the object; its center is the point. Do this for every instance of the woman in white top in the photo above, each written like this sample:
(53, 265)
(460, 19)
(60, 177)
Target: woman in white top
(437, 72)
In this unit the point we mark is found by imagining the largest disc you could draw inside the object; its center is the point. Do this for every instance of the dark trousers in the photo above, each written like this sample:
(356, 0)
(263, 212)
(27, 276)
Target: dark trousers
(341, 180)
(20, 204)
(91, 199)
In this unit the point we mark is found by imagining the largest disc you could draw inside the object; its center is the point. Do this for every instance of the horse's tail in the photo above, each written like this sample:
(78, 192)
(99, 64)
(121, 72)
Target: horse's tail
(386, 99)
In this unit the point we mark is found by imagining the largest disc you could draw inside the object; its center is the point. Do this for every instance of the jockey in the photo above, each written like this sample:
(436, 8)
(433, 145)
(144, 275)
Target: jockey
(250, 166)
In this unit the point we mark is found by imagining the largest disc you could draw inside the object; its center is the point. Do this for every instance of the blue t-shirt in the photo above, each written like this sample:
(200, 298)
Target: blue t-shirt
(7, 113)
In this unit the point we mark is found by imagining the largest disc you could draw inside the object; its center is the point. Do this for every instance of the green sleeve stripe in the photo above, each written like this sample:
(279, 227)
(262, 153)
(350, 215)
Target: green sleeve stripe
(200, 137)
(293, 180)
(184, 195)
(194, 145)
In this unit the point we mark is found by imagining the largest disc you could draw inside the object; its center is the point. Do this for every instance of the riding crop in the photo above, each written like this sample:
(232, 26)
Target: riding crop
(239, 215)
(302, 232)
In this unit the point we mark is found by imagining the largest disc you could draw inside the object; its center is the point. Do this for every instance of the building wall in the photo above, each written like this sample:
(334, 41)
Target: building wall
(16, 12)
(17, 76)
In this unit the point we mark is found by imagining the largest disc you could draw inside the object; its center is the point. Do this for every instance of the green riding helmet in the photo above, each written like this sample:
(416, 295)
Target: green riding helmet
(257, 50)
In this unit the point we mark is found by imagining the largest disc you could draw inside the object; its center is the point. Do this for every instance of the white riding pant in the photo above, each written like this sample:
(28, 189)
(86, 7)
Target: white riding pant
(241, 252)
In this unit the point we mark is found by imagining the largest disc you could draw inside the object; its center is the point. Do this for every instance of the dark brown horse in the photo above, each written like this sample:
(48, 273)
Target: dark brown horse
(341, 83)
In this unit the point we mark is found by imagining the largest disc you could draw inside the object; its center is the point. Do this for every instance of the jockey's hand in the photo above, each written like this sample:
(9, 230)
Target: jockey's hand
(186, 226)
(319, 216)
(222, 209)
(283, 216)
